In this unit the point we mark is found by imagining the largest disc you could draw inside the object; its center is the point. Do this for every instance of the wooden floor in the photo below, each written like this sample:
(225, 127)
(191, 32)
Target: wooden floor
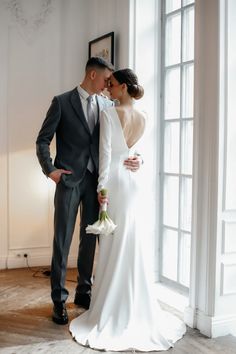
(26, 326)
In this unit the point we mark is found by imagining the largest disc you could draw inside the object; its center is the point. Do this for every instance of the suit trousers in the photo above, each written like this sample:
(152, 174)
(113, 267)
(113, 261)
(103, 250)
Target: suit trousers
(67, 201)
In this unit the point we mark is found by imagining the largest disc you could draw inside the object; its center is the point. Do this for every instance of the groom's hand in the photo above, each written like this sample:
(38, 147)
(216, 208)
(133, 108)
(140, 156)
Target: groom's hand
(133, 163)
(56, 174)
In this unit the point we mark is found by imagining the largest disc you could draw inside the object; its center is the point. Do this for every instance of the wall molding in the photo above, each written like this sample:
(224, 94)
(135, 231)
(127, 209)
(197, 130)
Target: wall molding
(217, 325)
(3, 262)
(210, 326)
(29, 24)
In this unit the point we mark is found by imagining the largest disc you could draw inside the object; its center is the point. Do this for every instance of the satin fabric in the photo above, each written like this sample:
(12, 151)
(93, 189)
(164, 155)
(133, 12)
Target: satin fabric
(124, 314)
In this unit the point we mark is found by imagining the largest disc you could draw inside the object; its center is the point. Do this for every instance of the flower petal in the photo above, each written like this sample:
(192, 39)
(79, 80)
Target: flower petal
(104, 226)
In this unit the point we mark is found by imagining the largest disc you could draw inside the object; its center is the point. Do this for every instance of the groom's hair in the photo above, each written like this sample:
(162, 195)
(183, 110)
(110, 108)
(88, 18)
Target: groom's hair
(98, 63)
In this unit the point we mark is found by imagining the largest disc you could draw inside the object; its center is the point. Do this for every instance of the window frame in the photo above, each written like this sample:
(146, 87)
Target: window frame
(164, 16)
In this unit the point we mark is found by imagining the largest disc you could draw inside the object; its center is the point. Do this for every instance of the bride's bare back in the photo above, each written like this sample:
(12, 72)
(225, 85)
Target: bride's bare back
(133, 124)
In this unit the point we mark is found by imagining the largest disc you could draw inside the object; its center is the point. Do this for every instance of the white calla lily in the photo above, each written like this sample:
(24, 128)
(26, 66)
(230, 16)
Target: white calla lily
(104, 225)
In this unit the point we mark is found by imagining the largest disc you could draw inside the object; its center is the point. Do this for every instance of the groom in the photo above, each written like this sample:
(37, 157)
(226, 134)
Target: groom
(74, 118)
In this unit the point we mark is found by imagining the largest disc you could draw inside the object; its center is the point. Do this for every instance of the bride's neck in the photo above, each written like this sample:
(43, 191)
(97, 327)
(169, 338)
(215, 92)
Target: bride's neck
(126, 101)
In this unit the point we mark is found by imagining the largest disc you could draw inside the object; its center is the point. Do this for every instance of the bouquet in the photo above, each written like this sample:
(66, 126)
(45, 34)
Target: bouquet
(104, 225)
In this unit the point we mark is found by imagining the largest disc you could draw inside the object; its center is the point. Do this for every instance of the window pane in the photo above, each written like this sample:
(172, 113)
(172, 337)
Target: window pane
(187, 93)
(170, 254)
(171, 200)
(187, 2)
(171, 147)
(172, 5)
(188, 34)
(185, 247)
(187, 147)
(172, 93)
(186, 203)
(173, 39)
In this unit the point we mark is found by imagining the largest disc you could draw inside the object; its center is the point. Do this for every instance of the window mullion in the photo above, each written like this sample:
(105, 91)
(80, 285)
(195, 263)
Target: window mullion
(161, 228)
(180, 146)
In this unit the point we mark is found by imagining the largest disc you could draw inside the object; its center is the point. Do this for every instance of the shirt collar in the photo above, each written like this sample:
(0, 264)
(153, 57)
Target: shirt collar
(84, 94)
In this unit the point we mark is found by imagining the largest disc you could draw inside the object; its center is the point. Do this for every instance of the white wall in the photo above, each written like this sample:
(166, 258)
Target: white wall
(43, 48)
(43, 52)
(111, 15)
(213, 259)
(226, 256)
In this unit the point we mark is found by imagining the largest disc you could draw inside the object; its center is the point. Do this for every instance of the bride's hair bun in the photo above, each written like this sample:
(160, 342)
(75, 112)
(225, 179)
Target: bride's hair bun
(128, 77)
(136, 91)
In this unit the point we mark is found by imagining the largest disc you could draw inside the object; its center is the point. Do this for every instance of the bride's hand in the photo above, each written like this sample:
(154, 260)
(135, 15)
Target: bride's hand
(102, 199)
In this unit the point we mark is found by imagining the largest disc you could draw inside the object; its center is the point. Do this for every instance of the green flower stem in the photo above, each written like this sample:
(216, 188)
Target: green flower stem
(103, 216)
(104, 192)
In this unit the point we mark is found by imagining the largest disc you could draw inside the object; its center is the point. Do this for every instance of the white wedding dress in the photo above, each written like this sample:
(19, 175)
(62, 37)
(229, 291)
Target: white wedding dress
(124, 313)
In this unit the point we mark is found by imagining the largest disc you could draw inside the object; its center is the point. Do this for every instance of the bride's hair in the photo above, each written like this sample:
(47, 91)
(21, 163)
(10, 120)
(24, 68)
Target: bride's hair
(128, 77)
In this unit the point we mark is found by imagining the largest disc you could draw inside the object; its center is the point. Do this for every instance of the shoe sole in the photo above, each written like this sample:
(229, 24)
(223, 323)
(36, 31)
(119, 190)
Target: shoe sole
(57, 321)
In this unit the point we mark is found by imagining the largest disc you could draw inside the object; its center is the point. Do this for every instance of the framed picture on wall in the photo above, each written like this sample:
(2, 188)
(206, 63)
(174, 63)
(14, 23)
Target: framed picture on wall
(103, 47)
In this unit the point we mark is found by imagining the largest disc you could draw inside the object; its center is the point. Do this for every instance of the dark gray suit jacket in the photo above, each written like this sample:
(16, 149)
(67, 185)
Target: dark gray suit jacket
(74, 142)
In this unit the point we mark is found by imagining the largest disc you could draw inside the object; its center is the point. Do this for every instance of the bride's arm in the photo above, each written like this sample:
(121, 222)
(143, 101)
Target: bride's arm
(104, 150)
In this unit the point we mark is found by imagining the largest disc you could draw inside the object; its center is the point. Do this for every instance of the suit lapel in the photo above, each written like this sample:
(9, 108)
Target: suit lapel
(76, 103)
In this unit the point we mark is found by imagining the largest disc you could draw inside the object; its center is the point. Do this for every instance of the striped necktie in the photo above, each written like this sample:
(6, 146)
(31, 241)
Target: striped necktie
(91, 124)
(90, 114)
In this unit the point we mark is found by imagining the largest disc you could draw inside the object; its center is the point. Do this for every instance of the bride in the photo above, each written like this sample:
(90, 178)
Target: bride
(124, 314)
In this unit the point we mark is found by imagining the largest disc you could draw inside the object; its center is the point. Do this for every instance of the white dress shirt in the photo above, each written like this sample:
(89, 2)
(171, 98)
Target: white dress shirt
(84, 95)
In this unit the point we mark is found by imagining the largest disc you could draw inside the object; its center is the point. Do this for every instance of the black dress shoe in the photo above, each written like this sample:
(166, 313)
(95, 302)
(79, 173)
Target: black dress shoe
(59, 314)
(82, 300)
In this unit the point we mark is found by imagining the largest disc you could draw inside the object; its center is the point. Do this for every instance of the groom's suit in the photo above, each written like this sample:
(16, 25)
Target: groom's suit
(75, 145)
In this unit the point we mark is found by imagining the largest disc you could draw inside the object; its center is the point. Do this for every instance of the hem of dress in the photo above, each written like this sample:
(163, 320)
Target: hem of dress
(125, 349)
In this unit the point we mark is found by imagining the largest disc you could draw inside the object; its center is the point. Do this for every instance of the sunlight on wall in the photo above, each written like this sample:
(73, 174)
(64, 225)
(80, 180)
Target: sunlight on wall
(29, 196)
(144, 60)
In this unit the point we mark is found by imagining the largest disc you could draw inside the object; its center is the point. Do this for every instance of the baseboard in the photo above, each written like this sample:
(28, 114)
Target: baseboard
(72, 262)
(223, 325)
(3, 262)
(211, 327)
(190, 317)
(12, 262)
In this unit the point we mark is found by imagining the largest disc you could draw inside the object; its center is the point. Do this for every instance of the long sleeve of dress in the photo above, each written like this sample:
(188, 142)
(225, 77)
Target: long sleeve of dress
(104, 150)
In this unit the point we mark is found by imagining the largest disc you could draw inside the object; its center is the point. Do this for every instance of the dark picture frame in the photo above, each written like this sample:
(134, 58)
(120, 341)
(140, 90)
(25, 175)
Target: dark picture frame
(103, 47)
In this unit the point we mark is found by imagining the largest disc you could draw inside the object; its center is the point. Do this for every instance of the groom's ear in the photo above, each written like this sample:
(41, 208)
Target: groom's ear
(93, 74)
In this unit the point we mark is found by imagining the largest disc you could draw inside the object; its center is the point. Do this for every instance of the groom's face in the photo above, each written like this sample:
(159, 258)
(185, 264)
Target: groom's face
(101, 80)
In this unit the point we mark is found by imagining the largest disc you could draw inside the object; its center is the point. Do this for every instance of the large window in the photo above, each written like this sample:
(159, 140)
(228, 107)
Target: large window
(177, 140)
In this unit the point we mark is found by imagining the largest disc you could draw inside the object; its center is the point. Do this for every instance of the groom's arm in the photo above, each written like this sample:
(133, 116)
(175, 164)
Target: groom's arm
(46, 135)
